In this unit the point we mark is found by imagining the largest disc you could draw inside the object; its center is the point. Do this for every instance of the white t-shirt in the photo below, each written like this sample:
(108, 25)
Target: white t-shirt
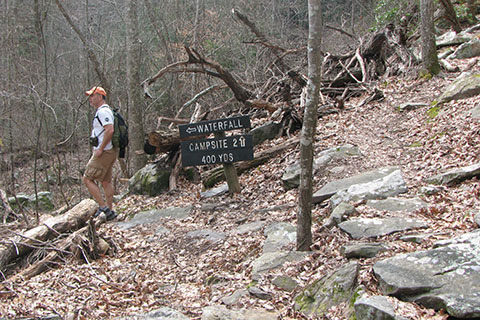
(105, 114)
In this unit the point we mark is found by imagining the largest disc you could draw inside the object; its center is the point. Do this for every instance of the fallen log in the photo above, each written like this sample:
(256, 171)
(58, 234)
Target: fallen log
(75, 245)
(211, 177)
(24, 243)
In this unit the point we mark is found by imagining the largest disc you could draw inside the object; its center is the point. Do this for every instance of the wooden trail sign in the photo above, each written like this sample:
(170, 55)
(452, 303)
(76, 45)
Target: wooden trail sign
(212, 126)
(221, 149)
(217, 150)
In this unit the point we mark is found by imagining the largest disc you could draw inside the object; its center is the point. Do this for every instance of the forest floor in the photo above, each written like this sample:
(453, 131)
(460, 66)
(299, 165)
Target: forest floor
(150, 271)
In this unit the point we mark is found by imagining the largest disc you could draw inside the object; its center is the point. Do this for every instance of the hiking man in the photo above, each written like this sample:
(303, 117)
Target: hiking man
(99, 167)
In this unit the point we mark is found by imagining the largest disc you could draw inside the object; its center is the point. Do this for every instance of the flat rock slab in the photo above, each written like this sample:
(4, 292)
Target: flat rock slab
(160, 314)
(218, 191)
(398, 204)
(456, 175)
(465, 86)
(333, 187)
(155, 215)
(446, 277)
(375, 308)
(363, 250)
(279, 235)
(387, 186)
(375, 227)
(272, 260)
(209, 235)
(221, 312)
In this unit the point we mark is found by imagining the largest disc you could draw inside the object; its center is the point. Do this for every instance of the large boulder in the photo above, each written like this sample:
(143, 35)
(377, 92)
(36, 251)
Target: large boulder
(268, 131)
(376, 227)
(467, 50)
(465, 86)
(151, 180)
(44, 199)
(445, 277)
(331, 290)
(387, 186)
(333, 187)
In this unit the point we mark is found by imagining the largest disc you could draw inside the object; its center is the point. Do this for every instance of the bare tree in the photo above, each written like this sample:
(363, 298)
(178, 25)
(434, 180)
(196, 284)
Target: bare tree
(427, 31)
(135, 101)
(304, 214)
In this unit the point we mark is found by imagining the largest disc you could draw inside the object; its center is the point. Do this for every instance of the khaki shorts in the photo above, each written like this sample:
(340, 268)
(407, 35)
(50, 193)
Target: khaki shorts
(100, 169)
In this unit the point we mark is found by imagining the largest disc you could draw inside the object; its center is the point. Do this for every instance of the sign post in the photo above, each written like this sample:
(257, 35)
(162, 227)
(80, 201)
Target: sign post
(221, 149)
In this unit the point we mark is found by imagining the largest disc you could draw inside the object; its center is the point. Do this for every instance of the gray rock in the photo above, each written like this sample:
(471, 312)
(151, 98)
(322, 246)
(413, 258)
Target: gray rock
(272, 260)
(234, 298)
(456, 175)
(375, 308)
(333, 187)
(209, 235)
(475, 112)
(291, 177)
(333, 289)
(398, 204)
(375, 227)
(151, 180)
(161, 231)
(467, 50)
(339, 214)
(222, 313)
(155, 215)
(218, 191)
(279, 235)
(387, 186)
(268, 131)
(415, 238)
(476, 218)
(249, 227)
(451, 38)
(285, 283)
(160, 314)
(465, 86)
(430, 190)
(363, 250)
(446, 277)
(45, 201)
(259, 293)
(411, 106)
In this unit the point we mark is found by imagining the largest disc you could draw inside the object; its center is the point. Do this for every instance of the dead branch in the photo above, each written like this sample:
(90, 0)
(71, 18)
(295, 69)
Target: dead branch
(276, 50)
(7, 210)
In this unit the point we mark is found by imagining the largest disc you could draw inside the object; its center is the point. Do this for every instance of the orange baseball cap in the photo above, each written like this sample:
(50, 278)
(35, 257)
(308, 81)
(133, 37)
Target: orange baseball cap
(98, 90)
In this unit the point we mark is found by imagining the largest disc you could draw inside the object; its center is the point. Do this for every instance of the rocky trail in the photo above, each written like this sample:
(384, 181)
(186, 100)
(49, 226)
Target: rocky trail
(385, 237)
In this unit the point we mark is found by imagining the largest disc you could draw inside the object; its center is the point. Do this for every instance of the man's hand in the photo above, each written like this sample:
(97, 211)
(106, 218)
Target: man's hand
(98, 153)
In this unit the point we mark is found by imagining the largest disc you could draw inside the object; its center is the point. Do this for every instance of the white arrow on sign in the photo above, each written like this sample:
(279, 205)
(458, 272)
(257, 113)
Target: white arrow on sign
(191, 129)
(242, 141)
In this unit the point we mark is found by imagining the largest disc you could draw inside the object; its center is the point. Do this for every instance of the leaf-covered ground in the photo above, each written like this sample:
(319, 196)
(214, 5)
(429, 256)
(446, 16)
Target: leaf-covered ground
(149, 271)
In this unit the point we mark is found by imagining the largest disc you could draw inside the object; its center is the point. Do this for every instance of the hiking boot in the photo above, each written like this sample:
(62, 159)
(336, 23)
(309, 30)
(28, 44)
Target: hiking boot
(110, 214)
(100, 210)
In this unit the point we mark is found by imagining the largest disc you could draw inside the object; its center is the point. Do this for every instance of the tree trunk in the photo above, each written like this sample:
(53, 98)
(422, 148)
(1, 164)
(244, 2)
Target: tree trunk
(135, 101)
(71, 221)
(304, 214)
(427, 31)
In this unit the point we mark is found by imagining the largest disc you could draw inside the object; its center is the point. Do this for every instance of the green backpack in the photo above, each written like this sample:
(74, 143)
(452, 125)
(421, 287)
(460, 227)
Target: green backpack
(120, 132)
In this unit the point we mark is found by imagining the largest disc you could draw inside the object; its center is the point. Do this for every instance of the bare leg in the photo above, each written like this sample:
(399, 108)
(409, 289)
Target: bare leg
(94, 191)
(109, 191)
